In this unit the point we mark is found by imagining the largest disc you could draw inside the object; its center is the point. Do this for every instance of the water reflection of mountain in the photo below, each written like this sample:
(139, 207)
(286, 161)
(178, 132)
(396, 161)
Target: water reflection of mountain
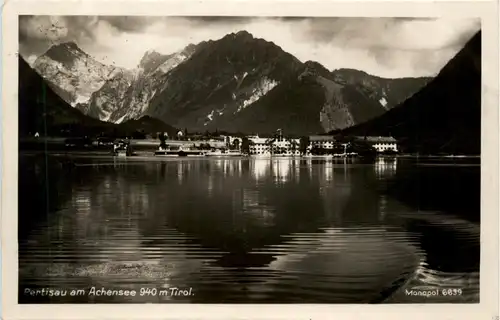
(248, 204)
(257, 209)
(42, 187)
(243, 211)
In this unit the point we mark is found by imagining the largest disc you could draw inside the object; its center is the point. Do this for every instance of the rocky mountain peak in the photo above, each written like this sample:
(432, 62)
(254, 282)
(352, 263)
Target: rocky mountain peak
(151, 59)
(312, 71)
(313, 67)
(347, 71)
(71, 45)
(73, 74)
(65, 52)
(241, 52)
(189, 49)
(150, 54)
(242, 38)
(239, 35)
(243, 34)
(345, 75)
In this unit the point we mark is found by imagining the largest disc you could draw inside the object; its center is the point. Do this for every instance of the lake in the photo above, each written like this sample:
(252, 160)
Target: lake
(246, 230)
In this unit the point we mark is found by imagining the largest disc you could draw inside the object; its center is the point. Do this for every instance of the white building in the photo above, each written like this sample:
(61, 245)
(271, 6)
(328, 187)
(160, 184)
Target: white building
(274, 146)
(288, 147)
(324, 142)
(382, 144)
(259, 146)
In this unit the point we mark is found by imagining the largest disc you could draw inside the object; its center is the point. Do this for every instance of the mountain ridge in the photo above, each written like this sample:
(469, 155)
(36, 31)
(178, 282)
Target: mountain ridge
(443, 117)
(73, 73)
(209, 85)
(42, 110)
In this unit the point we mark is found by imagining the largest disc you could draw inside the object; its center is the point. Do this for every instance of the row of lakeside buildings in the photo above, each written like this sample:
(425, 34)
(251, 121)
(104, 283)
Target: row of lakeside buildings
(288, 146)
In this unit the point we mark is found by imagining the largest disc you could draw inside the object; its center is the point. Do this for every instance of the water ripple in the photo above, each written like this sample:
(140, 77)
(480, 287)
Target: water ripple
(238, 231)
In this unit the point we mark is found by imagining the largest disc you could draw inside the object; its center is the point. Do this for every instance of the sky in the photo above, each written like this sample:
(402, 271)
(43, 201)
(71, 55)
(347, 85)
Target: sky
(386, 47)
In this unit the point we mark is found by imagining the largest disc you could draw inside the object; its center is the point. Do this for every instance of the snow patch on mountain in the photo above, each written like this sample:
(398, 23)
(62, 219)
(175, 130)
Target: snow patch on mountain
(120, 120)
(242, 77)
(263, 87)
(173, 62)
(383, 101)
(210, 116)
(80, 99)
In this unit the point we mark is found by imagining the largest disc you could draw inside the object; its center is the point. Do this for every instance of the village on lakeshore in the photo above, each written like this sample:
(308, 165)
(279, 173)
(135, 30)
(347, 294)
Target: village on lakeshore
(278, 144)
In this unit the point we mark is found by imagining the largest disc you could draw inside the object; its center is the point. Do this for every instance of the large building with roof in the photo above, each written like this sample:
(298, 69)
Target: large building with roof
(259, 146)
(277, 145)
(382, 144)
(325, 142)
(286, 146)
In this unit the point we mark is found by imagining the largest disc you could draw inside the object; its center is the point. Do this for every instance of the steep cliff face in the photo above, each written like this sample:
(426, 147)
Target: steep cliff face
(354, 96)
(128, 97)
(443, 117)
(315, 101)
(344, 104)
(43, 110)
(72, 73)
(387, 92)
(108, 100)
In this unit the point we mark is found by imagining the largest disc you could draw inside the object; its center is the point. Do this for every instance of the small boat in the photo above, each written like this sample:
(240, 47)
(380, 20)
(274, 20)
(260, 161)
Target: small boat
(181, 152)
(121, 148)
(223, 153)
(173, 153)
(234, 153)
(214, 153)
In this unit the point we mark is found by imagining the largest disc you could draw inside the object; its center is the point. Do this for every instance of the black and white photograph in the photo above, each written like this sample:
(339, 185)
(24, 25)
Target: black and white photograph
(215, 159)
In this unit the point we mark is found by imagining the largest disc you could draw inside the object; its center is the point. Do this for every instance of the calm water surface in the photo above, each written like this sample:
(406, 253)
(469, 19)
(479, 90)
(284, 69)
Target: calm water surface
(246, 230)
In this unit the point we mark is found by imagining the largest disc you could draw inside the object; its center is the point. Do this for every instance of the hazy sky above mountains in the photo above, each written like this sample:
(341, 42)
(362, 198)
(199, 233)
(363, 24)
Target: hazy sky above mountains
(387, 47)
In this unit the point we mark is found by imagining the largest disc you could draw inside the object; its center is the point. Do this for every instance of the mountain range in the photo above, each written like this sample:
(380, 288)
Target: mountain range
(238, 83)
(443, 117)
(43, 110)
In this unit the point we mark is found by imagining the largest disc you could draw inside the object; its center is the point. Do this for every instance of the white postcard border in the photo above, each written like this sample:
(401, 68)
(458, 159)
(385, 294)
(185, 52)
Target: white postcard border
(486, 10)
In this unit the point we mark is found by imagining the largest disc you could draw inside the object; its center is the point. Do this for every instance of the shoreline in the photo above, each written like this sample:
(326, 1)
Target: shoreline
(150, 154)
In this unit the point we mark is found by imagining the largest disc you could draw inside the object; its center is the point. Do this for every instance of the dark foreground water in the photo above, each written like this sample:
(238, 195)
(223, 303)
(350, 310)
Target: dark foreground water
(247, 230)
